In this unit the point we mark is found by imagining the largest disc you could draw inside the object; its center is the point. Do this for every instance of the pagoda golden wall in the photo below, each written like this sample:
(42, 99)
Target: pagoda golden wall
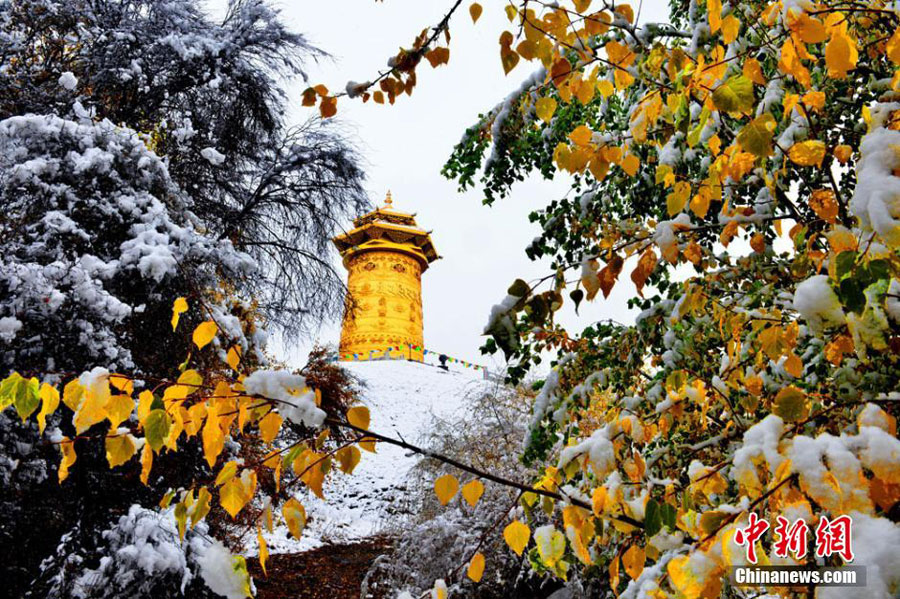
(384, 307)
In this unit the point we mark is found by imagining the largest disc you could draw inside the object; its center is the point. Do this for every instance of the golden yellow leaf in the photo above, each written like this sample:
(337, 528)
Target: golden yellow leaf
(475, 11)
(146, 462)
(445, 487)
(294, 516)
(263, 550)
(807, 153)
(516, 535)
(633, 561)
(714, 10)
(204, 333)
(73, 393)
(269, 426)
(367, 444)
(809, 29)
(92, 408)
(348, 458)
(145, 404)
(893, 47)
(544, 108)
(179, 307)
(358, 416)
(233, 357)
(625, 11)
(824, 204)
(200, 508)
(119, 449)
(118, 410)
(605, 87)
(476, 567)
(843, 153)
(731, 25)
(237, 492)
(49, 402)
(840, 53)
(472, 491)
(581, 135)
(67, 449)
(213, 437)
(630, 164)
(753, 71)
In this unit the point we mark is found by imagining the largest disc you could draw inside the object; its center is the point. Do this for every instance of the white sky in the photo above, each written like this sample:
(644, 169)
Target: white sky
(406, 144)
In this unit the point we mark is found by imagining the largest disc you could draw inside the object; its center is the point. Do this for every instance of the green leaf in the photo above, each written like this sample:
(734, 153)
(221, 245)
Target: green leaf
(668, 515)
(156, 428)
(845, 262)
(23, 393)
(756, 136)
(735, 95)
(652, 518)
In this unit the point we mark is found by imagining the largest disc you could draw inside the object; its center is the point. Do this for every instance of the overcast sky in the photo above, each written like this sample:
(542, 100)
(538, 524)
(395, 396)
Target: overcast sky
(406, 144)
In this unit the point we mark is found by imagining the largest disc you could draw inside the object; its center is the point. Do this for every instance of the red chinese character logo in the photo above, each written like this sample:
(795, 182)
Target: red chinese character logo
(791, 538)
(749, 535)
(833, 536)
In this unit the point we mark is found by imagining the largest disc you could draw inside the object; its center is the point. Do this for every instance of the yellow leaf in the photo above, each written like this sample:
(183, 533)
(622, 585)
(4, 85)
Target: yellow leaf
(544, 108)
(893, 48)
(236, 493)
(348, 458)
(119, 449)
(146, 462)
(118, 410)
(791, 404)
(581, 135)
(93, 408)
(472, 491)
(67, 449)
(625, 11)
(633, 560)
(73, 393)
(476, 567)
(630, 164)
(605, 87)
(551, 545)
(49, 403)
(294, 516)
(179, 307)
(228, 471)
(213, 437)
(840, 53)
(808, 29)
(756, 136)
(807, 153)
(731, 25)
(233, 358)
(204, 333)
(516, 535)
(445, 487)
(714, 8)
(367, 444)
(263, 550)
(358, 416)
(475, 11)
(843, 152)
(753, 71)
(145, 403)
(269, 426)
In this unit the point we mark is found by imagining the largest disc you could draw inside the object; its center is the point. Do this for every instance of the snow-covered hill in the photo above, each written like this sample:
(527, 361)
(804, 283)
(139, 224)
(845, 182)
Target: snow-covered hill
(404, 399)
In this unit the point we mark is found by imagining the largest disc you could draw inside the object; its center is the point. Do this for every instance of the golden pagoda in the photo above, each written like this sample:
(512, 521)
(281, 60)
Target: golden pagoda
(385, 255)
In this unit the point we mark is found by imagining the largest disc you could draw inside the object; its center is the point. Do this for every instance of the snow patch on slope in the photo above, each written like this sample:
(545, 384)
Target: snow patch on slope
(403, 399)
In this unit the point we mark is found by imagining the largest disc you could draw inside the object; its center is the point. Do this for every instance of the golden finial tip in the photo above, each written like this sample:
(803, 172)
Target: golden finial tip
(387, 200)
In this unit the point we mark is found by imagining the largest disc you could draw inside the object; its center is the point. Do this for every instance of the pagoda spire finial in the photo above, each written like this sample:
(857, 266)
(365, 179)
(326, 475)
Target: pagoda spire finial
(388, 202)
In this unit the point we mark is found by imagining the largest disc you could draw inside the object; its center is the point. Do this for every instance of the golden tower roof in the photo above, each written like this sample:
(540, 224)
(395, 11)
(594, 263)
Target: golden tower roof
(385, 228)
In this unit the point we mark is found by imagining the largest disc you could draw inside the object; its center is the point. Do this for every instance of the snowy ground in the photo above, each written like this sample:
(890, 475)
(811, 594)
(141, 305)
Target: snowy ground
(403, 398)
